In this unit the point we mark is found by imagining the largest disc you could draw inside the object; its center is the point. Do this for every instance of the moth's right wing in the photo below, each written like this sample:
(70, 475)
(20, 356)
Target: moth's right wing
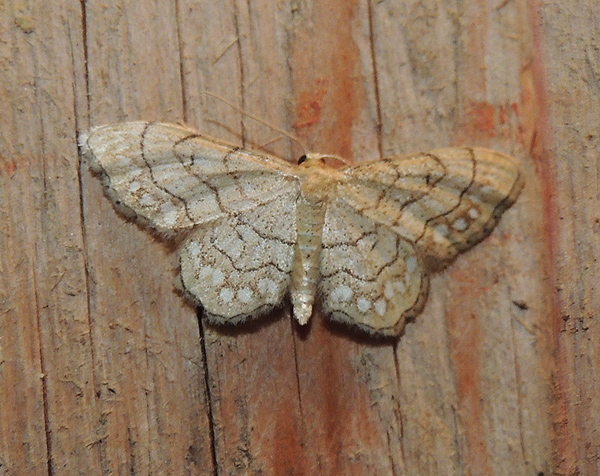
(170, 178)
(444, 201)
(371, 277)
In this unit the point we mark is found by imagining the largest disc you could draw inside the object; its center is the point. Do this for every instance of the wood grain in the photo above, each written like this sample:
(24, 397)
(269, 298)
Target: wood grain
(567, 81)
(151, 396)
(106, 370)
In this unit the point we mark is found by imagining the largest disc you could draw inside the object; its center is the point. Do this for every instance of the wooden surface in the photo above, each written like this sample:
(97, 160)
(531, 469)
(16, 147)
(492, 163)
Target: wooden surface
(104, 369)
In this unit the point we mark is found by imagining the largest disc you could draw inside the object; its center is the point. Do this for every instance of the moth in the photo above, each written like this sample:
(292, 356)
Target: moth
(254, 229)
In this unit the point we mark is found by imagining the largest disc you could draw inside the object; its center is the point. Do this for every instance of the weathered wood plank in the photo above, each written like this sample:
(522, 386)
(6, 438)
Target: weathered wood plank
(251, 370)
(86, 299)
(147, 353)
(568, 79)
(348, 388)
(47, 404)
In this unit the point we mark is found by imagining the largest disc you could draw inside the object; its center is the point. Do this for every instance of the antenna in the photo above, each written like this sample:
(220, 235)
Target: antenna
(340, 158)
(258, 119)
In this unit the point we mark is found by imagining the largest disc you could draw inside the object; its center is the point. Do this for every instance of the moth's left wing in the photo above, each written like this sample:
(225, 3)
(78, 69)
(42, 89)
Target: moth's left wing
(239, 266)
(444, 201)
(171, 178)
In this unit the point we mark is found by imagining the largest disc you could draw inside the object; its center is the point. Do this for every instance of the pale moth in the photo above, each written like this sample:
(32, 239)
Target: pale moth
(255, 229)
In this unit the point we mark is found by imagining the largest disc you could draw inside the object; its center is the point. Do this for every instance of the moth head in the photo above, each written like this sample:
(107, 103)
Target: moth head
(315, 159)
(311, 158)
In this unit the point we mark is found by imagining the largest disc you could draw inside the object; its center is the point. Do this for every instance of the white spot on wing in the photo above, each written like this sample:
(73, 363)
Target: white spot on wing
(363, 305)
(218, 277)
(245, 295)
(147, 200)
(475, 199)
(388, 291)
(399, 285)
(342, 294)
(460, 224)
(380, 307)
(267, 286)
(226, 295)
(473, 213)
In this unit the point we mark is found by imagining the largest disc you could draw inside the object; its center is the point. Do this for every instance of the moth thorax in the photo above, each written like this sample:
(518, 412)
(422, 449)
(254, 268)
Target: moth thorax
(317, 183)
